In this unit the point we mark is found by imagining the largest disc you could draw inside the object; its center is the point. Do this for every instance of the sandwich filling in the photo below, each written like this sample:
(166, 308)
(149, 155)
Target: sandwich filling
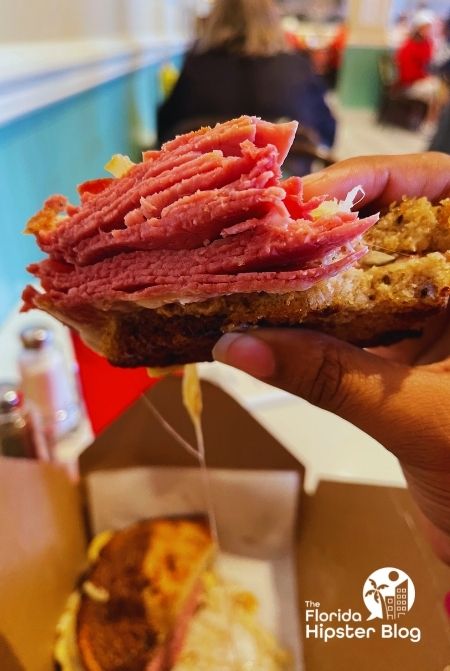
(208, 215)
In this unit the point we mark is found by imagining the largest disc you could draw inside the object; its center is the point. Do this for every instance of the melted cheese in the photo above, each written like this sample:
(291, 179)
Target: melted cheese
(66, 648)
(163, 372)
(94, 592)
(193, 402)
(229, 639)
(97, 544)
(192, 395)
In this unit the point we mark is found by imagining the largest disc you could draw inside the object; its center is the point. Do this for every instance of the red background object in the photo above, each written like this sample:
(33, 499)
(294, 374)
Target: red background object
(107, 390)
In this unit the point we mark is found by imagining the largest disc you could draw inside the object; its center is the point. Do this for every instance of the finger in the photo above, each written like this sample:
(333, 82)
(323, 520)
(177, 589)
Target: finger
(431, 491)
(385, 399)
(432, 346)
(384, 178)
(438, 348)
(405, 352)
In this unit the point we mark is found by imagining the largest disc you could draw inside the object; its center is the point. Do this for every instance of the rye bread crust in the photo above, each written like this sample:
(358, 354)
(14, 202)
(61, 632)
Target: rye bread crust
(144, 339)
(170, 335)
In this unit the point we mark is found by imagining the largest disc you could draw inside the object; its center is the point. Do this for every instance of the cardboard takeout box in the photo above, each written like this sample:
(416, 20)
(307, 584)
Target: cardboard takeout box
(342, 534)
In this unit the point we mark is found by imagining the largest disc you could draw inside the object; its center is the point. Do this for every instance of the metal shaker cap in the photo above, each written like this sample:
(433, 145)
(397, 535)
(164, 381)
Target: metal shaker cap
(10, 399)
(36, 337)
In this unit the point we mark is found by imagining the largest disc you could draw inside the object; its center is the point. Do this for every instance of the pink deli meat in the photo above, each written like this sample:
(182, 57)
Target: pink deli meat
(207, 215)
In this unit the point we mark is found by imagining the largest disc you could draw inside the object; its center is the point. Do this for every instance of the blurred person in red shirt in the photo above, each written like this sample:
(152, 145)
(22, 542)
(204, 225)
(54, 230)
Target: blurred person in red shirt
(414, 59)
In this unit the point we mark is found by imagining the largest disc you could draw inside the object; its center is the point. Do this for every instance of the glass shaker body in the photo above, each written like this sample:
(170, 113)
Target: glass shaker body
(47, 384)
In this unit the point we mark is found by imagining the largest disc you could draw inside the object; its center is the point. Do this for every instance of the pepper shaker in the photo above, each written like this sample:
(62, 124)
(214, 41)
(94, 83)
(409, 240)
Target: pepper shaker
(19, 434)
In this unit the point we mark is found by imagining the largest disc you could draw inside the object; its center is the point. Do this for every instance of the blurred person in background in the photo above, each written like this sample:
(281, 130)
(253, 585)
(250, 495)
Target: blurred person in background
(201, 10)
(441, 138)
(400, 31)
(441, 60)
(414, 59)
(243, 64)
(335, 55)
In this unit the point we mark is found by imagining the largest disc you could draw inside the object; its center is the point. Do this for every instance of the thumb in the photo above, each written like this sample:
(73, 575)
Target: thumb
(381, 397)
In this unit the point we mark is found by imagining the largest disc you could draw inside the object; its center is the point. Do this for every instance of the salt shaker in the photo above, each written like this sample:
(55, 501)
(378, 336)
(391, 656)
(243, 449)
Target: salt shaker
(47, 383)
(19, 435)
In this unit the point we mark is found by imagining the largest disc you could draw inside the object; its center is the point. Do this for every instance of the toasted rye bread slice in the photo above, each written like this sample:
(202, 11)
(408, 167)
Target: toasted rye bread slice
(143, 589)
(366, 307)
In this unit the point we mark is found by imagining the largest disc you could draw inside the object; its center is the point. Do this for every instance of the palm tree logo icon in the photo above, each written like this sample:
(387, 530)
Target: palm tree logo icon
(376, 592)
(388, 593)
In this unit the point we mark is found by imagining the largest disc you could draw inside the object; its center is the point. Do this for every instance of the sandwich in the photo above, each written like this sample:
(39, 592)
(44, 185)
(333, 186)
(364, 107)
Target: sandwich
(149, 601)
(206, 236)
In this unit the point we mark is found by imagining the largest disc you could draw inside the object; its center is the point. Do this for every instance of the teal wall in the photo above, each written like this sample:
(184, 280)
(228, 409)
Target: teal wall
(54, 149)
(359, 81)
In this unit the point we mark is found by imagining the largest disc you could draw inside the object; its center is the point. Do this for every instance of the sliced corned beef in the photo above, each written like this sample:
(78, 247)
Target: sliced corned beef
(206, 215)
(108, 209)
(270, 243)
(153, 291)
(154, 223)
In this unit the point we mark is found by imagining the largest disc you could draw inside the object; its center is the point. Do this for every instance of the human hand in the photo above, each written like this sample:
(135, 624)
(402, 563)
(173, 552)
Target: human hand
(385, 179)
(399, 395)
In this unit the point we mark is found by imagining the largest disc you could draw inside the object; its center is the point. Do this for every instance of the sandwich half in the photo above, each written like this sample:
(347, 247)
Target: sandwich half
(142, 587)
(149, 601)
(205, 236)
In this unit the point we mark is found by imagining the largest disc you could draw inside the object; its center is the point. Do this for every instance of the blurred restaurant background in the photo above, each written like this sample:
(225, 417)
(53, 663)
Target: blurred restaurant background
(82, 81)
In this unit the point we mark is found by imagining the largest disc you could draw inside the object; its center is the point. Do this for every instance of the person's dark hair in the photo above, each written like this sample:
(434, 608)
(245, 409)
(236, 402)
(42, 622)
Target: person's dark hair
(248, 27)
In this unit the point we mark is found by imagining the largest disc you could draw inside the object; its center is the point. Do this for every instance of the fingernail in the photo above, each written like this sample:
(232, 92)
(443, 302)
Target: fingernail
(247, 353)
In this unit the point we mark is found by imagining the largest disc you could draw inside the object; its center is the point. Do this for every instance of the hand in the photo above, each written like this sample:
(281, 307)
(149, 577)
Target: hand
(399, 395)
(385, 179)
